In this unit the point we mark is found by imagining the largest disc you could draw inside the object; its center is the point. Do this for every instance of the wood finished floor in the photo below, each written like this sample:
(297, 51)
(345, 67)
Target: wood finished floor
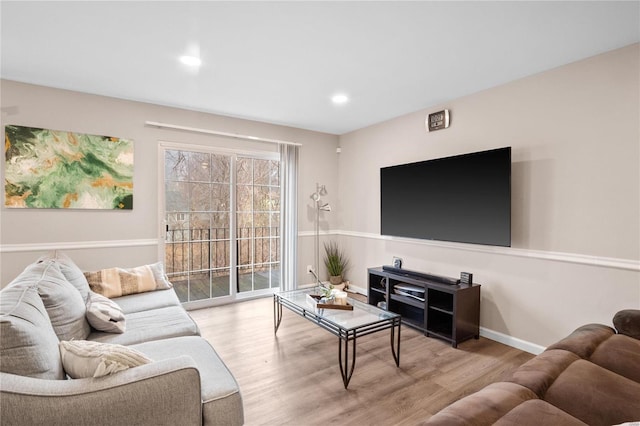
(293, 378)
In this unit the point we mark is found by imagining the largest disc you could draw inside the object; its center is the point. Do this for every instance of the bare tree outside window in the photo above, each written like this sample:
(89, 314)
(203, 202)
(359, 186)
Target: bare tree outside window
(198, 208)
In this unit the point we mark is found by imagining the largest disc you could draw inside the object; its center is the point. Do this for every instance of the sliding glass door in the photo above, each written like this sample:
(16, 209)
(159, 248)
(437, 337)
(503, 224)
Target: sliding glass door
(258, 216)
(221, 214)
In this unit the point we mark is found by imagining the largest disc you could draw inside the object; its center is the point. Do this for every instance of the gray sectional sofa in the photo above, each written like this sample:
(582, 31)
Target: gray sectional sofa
(186, 382)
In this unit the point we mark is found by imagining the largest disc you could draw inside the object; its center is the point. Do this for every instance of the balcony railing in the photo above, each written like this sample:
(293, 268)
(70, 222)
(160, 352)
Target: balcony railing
(206, 250)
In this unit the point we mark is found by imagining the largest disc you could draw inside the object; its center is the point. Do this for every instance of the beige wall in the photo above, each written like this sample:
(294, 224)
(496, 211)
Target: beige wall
(26, 233)
(574, 133)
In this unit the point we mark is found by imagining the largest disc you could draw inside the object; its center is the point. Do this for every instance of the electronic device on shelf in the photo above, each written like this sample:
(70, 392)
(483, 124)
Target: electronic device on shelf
(423, 275)
(410, 291)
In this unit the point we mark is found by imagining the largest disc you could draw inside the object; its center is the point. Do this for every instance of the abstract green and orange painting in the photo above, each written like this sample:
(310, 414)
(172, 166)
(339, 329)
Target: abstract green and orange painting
(52, 169)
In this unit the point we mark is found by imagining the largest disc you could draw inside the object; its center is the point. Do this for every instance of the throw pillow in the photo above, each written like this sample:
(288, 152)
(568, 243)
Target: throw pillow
(70, 270)
(84, 358)
(28, 344)
(116, 282)
(104, 314)
(63, 302)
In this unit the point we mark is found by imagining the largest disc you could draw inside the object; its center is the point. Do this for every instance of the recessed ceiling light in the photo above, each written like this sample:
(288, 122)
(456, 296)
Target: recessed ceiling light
(340, 99)
(191, 61)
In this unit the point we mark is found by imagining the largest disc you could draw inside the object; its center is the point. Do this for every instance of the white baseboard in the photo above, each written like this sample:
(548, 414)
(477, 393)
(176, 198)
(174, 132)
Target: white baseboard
(514, 342)
(359, 290)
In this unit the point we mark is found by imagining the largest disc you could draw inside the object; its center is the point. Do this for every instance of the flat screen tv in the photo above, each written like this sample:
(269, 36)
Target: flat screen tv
(465, 198)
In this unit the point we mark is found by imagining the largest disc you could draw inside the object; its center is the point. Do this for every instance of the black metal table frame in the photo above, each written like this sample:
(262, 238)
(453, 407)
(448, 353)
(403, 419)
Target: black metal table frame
(344, 335)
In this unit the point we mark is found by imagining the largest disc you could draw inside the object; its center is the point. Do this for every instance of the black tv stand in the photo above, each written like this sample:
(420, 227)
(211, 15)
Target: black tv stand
(449, 310)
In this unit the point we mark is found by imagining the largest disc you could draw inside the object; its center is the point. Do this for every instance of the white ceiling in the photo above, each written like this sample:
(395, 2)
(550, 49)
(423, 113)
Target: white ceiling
(280, 62)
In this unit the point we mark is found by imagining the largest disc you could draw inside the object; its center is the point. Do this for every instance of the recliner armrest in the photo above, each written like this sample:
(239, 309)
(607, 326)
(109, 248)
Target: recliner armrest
(162, 392)
(627, 322)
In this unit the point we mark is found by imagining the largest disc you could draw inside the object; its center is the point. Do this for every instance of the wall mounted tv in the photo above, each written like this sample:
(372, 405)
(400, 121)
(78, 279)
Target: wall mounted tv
(465, 198)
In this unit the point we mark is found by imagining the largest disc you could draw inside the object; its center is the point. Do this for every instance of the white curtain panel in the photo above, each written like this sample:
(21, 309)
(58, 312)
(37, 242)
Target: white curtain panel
(288, 216)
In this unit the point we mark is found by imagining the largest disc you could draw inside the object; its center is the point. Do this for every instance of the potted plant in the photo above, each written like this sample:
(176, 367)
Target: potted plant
(336, 262)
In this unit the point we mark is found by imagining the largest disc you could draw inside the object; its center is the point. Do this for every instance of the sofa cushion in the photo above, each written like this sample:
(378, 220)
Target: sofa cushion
(149, 325)
(620, 354)
(539, 373)
(221, 399)
(584, 340)
(146, 301)
(83, 359)
(595, 395)
(70, 270)
(116, 282)
(536, 412)
(28, 343)
(104, 314)
(64, 304)
(484, 407)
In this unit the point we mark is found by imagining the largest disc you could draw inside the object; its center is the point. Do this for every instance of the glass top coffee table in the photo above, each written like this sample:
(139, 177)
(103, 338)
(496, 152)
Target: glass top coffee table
(348, 325)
